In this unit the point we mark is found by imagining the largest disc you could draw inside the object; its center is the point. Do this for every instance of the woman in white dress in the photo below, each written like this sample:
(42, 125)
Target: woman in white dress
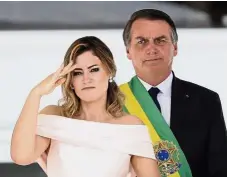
(88, 134)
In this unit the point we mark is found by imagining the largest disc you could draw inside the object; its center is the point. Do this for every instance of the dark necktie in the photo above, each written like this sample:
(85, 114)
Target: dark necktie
(153, 92)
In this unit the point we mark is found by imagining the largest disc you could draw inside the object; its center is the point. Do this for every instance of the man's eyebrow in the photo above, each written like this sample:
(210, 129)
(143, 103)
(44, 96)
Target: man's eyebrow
(161, 37)
(155, 38)
(140, 37)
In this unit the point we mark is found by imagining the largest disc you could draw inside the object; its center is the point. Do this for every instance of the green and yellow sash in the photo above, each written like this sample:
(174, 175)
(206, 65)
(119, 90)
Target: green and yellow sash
(171, 159)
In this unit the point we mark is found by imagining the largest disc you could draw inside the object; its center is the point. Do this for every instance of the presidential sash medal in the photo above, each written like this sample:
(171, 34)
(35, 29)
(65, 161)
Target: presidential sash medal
(167, 156)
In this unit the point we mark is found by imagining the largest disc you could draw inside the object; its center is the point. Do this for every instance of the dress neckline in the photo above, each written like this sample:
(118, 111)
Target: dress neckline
(92, 122)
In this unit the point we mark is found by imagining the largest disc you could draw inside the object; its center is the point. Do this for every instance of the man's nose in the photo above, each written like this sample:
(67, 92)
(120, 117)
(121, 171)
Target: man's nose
(151, 48)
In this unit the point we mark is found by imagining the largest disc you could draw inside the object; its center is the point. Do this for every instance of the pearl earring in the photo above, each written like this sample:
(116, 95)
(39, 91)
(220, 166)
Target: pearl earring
(111, 79)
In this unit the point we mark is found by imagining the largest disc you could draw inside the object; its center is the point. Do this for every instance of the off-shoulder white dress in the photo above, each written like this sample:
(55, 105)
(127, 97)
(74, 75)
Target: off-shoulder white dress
(82, 148)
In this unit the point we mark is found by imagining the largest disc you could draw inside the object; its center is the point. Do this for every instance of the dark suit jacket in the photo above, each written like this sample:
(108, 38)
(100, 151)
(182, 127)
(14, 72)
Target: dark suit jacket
(198, 124)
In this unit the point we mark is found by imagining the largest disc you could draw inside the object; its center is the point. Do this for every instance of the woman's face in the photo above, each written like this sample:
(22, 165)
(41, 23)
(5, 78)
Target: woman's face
(90, 78)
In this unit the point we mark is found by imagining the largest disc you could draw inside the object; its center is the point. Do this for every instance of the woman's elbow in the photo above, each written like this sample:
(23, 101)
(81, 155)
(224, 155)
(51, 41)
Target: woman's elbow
(20, 158)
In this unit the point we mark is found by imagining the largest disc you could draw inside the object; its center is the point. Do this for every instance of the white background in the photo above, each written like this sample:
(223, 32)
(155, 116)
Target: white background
(27, 57)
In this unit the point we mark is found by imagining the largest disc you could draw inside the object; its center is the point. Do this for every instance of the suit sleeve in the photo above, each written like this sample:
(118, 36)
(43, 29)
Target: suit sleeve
(217, 143)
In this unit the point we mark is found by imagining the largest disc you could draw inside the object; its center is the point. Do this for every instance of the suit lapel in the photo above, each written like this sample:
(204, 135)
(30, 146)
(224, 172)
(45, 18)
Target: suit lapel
(179, 105)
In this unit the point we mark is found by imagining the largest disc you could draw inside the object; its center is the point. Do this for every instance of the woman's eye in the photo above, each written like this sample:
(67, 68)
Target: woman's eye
(95, 70)
(77, 73)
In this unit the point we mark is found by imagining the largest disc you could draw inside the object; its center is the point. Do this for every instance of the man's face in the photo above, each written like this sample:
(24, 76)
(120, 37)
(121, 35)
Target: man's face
(151, 48)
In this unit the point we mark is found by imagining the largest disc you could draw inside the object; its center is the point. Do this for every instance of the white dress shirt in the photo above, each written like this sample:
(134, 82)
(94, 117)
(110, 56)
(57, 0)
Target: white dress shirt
(164, 96)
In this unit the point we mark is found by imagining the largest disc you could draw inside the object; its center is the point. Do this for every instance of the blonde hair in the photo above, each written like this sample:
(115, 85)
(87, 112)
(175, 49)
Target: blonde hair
(70, 103)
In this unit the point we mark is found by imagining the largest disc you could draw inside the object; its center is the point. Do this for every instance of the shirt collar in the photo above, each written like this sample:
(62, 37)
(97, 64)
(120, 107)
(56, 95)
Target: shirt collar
(165, 86)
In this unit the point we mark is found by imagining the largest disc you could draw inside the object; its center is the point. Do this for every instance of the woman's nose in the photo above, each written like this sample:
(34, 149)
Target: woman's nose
(87, 78)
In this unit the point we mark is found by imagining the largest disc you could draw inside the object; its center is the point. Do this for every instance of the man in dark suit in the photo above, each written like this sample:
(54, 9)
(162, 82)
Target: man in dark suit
(193, 113)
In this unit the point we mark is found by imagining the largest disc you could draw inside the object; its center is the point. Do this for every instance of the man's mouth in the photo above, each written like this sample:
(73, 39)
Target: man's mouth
(153, 59)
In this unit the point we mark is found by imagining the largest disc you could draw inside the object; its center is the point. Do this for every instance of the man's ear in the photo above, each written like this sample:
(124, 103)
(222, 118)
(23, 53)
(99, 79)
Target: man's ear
(175, 49)
(128, 53)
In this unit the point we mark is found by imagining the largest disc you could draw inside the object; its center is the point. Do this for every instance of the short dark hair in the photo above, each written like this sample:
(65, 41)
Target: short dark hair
(150, 14)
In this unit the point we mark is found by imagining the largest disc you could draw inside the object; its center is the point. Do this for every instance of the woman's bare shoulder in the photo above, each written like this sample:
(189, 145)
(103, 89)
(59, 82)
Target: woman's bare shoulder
(130, 119)
(51, 110)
